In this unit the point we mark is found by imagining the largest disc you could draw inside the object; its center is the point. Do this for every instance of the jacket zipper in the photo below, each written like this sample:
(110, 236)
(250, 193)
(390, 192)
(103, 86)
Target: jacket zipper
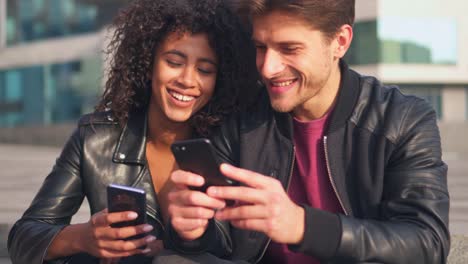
(221, 227)
(293, 160)
(159, 221)
(145, 168)
(330, 176)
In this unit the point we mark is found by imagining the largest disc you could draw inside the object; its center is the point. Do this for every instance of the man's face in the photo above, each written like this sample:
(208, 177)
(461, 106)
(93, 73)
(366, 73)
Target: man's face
(296, 62)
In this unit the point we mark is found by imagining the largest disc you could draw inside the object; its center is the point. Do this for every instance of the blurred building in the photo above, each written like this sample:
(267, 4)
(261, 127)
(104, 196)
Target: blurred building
(51, 59)
(419, 46)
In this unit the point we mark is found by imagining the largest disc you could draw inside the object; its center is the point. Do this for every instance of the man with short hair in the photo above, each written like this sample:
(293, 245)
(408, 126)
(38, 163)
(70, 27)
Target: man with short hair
(333, 166)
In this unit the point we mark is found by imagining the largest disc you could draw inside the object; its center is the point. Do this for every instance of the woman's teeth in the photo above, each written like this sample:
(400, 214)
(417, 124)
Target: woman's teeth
(181, 97)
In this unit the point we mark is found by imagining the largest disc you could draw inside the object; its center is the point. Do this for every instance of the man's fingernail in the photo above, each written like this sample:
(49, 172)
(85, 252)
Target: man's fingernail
(147, 228)
(199, 180)
(132, 215)
(213, 190)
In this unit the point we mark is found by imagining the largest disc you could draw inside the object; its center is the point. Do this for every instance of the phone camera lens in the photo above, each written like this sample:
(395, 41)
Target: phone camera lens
(183, 148)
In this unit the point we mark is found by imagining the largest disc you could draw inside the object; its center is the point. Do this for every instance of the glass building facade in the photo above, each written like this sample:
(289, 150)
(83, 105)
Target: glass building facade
(32, 20)
(407, 41)
(48, 94)
(401, 40)
(57, 90)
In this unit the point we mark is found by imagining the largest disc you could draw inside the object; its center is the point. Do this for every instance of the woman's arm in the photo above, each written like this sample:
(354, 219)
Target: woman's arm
(58, 199)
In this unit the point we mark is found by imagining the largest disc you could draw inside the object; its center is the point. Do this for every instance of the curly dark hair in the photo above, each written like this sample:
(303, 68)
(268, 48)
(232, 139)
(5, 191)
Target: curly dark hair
(138, 30)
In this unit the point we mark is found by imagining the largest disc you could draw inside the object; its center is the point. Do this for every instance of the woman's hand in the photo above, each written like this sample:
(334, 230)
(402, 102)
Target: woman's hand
(100, 240)
(190, 210)
(153, 247)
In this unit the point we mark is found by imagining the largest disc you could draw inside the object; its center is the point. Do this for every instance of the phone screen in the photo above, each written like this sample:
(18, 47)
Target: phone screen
(124, 198)
(198, 156)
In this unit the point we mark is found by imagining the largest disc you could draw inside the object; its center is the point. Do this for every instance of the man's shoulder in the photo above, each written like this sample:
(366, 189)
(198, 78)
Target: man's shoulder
(386, 109)
(387, 95)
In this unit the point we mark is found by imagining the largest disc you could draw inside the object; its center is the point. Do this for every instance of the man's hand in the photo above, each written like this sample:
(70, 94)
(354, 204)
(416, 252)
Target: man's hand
(190, 210)
(263, 206)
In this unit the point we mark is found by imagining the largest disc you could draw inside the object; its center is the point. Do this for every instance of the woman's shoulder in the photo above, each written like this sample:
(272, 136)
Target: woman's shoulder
(97, 118)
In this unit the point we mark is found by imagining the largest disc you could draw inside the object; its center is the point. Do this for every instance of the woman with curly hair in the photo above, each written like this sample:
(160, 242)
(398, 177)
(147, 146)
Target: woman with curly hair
(177, 68)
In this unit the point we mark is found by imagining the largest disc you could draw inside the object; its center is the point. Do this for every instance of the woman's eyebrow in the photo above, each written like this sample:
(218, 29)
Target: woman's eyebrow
(181, 54)
(175, 52)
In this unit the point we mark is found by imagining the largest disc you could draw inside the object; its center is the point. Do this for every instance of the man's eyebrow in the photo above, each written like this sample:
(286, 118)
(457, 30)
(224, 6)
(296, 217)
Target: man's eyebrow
(181, 54)
(290, 43)
(282, 43)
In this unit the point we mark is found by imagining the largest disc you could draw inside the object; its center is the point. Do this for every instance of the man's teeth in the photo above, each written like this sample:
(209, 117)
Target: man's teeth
(282, 84)
(181, 97)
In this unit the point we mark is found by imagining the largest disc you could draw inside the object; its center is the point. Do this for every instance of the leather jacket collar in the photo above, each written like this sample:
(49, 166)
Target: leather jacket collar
(132, 142)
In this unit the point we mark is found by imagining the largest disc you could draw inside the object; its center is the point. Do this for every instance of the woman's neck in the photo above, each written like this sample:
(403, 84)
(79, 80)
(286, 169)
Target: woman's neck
(163, 132)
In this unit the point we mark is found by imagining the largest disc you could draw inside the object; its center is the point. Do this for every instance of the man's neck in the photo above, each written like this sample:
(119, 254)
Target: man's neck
(323, 101)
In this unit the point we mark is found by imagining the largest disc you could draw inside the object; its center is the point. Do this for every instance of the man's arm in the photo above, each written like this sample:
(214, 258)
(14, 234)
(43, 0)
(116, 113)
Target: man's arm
(413, 220)
(413, 223)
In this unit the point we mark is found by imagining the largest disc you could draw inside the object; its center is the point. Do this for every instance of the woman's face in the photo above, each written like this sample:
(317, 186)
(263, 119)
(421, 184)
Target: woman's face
(184, 76)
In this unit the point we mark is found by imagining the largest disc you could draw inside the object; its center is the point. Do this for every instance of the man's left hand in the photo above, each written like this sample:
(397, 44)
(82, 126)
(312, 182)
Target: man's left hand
(262, 205)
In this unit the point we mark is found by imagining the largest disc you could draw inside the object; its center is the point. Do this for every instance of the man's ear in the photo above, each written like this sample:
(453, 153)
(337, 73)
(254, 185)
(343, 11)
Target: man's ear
(343, 40)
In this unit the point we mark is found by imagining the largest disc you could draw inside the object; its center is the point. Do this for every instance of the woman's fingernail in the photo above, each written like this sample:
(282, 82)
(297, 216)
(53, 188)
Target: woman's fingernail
(150, 239)
(146, 250)
(132, 215)
(147, 228)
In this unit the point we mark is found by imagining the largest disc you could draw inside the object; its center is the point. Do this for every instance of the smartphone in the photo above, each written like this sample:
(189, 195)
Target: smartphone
(125, 198)
(198, 156)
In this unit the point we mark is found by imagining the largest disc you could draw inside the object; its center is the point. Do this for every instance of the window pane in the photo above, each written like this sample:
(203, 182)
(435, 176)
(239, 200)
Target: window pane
(49, 93)
(32, 20)
(400, 40)
(436, 46)
(364, 47)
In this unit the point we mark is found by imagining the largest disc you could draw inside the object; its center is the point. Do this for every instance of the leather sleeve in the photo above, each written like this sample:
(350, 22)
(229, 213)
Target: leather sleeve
(58, 199)
(413, 221)
(215, 241)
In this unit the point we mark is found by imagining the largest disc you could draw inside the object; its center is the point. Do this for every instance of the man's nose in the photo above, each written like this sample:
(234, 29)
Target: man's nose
(271, 64)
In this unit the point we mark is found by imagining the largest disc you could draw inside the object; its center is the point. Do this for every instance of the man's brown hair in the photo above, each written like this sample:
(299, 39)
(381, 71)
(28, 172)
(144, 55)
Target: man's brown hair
(324, 15)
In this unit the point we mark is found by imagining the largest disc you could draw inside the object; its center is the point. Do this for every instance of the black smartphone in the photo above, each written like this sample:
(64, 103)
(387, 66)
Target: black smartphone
(125, 198)
(198, 156)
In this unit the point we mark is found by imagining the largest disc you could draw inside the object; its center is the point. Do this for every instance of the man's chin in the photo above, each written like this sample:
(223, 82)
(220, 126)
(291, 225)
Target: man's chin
(281, 107)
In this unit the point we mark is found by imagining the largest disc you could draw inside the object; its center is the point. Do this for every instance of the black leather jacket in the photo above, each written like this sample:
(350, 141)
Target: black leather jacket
(383, 157)
(98, 153)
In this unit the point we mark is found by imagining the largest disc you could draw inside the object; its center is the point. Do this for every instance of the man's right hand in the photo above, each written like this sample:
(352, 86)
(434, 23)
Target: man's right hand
(189, 210)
